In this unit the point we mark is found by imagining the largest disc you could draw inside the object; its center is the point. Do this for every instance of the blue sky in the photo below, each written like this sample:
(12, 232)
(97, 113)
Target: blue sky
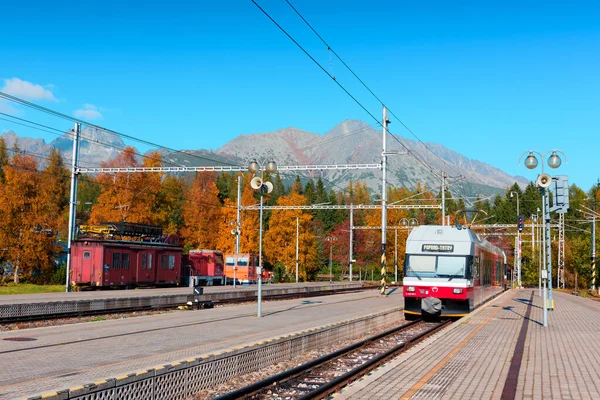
(487, 79)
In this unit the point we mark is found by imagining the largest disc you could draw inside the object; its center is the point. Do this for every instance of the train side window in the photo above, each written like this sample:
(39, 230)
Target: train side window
(164, 261)
(171, 262)
(87, 255)
(144, 260)
(125, 261)
(149, 264)
(116, 260)
(476, 267)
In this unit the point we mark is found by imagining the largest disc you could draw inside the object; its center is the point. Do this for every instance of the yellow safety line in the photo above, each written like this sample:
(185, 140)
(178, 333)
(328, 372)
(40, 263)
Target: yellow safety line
(448, 357)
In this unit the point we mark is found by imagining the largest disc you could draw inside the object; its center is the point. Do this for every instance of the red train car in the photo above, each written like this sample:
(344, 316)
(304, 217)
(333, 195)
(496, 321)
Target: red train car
(204, 267)
(103, 263)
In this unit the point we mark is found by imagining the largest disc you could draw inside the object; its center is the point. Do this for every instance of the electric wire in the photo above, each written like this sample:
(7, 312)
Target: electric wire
(329, 48)
(69, 133)
(73, 119)
(410, 152)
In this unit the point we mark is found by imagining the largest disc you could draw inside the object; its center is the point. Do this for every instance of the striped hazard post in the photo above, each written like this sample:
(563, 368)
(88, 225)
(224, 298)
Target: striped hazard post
(593, 271)
(383, 272)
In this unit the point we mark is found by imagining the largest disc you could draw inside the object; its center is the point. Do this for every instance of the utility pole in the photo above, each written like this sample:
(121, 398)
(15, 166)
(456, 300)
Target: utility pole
(593, 252)
(297, 235)
(443, 198)
(351, 238)
(237, 229)
(396, 254)
(383, 201)
(72, 202)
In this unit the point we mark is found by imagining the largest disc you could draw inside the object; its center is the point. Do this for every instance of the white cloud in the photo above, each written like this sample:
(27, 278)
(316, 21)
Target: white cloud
(88, 111)
(27, 90)
(6, 108)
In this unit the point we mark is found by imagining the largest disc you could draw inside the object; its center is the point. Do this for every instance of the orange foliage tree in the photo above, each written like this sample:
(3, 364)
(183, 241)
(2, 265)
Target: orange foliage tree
(250, 224)
(28, 223)
(201, 213)
(280, 239)
(132, 197)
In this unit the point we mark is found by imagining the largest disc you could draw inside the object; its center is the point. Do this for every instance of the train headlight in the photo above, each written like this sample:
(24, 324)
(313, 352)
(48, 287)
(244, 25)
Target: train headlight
(410, 289)
(457, 290)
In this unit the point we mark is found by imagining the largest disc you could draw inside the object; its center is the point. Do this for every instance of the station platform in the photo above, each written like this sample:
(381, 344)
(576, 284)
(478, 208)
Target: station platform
(501, 351)
(174, 354)
(35, 306)
(147, 292)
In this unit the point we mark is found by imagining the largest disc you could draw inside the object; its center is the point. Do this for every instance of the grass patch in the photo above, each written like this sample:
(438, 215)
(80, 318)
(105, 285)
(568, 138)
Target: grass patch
(97, 319)
(28, 288)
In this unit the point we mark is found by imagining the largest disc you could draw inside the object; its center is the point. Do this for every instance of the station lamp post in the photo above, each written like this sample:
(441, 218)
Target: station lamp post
(544, 181)
(263, 187)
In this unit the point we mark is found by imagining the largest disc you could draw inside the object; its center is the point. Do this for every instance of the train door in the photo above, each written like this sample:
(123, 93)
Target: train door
(168, 267)
(84, 270)
(126, 275)
(113, 274)
(145, 267)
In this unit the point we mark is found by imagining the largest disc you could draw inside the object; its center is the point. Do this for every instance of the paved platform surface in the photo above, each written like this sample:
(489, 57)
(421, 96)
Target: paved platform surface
(481, 356)
(148, 292)
(65, 356)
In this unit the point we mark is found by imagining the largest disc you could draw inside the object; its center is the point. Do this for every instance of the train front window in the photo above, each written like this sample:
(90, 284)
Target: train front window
(418, 265)
(452, 267)
(435, 266)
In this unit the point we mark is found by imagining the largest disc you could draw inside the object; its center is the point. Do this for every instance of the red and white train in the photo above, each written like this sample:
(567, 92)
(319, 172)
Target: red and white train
(449, 271)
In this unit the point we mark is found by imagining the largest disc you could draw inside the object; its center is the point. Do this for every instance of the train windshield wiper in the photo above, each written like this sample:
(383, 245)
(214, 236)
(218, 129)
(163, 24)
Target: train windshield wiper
(414, 272)
(455, 275)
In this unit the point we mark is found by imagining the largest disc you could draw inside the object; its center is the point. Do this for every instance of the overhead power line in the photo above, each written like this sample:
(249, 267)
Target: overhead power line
(73, 119)
(59, 132)
(329, 48)
(411, 153)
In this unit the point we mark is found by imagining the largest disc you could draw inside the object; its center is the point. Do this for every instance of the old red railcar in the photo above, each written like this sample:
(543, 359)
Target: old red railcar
(204, 267)
(104, 263)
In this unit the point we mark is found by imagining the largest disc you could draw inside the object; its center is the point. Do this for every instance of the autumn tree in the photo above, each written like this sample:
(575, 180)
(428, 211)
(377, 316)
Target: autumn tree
(28, 222)
(201, 212)
(280, 240)
(132, 196)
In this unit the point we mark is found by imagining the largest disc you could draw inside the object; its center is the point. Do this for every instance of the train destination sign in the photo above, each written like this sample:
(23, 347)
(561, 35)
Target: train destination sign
(442, 248)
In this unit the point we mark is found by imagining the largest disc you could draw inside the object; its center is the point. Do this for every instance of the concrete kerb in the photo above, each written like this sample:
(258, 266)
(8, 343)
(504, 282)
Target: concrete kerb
(207, 370)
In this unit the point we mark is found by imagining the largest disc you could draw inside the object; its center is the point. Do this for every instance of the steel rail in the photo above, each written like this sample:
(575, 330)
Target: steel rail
(331, 386)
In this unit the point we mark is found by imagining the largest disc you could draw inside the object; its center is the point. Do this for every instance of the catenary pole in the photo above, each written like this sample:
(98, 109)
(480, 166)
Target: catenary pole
(351, 239)
(72, 203)
(443, 198)
(383, 202)
(593, 252)
(237, 229)
(297, 242)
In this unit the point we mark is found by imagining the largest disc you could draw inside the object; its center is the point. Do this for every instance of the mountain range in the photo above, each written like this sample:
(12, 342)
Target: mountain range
(350, 142)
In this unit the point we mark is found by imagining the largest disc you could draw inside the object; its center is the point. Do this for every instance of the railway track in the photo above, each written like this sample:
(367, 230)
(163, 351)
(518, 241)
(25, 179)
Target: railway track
(319, 378)
(120, 307)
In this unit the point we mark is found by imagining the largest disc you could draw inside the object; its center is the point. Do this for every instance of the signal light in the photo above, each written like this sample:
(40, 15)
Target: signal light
(520, 223)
